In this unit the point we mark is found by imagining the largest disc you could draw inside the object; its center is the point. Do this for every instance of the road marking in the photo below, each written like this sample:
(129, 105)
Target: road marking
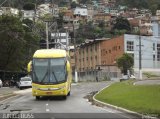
(47, 104)
(47, 110)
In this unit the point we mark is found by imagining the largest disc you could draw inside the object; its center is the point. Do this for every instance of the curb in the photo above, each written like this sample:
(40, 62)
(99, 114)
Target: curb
(118, 108)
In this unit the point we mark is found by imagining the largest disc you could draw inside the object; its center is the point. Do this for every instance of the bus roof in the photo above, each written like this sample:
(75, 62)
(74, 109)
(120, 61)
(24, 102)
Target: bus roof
(50, 53)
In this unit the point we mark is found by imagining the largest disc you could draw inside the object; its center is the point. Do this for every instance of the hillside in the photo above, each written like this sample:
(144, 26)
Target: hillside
(19, 3)
(153, 5)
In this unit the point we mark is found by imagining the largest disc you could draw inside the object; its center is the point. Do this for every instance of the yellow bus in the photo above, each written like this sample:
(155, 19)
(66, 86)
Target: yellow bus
(51, 73)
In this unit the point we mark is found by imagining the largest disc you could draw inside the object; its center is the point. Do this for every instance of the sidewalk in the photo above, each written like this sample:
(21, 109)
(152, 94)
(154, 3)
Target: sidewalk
(6, 92)
(148, 82)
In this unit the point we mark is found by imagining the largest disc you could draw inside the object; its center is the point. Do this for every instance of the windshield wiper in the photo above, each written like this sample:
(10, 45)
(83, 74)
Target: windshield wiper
(35, 75)
(44, 77)
(54, 76)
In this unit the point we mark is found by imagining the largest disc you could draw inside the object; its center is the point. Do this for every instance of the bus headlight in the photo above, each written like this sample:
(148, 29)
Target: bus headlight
(62, 87)
(35, 87)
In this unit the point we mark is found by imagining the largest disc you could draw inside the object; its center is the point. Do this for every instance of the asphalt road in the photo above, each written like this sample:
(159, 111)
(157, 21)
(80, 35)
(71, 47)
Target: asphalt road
(76, 106)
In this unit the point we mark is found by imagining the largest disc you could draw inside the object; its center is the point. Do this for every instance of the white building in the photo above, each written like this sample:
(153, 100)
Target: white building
(76, 1)
(156, 25)
(28, 14)
(80, 11)
(48, 9)
(1, 12)
(114, 12)
(158, 13)
(150, 51)
(61, 40)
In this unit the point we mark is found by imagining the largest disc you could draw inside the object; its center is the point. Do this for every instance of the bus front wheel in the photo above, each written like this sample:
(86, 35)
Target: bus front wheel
(69, 93)
(64, 97)
(37, 97)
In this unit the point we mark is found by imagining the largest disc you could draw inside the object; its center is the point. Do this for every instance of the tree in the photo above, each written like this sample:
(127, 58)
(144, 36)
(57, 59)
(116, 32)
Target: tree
(73, 5)
(125, 62)
(60, 21)
(122, 24)
(29, 6)
(15, 44)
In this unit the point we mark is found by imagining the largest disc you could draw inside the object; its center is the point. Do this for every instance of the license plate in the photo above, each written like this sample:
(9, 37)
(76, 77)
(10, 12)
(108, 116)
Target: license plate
(48, 93)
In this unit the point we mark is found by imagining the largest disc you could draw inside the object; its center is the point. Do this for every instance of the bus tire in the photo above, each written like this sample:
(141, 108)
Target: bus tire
(37, 97)
(69, 93)
(64, 97)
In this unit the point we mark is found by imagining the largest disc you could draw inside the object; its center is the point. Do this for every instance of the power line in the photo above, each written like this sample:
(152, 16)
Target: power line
(3, 3)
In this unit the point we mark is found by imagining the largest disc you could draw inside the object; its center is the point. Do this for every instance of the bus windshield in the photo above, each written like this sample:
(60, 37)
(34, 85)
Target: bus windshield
(49, 71)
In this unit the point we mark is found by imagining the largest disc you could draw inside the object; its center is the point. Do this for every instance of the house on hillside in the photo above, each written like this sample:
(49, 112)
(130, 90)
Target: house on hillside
(9, 11)
(28, 14)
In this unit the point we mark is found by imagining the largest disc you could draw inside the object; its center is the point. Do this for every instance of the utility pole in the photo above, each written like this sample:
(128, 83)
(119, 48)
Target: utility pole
(76, 75)
(35, 11)
(140, 57)
(47, 42)
(67, 40)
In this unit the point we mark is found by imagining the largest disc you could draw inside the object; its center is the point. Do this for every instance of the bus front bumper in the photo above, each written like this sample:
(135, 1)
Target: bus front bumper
(49, 92)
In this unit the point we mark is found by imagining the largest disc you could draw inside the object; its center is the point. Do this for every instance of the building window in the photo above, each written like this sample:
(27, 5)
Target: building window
(91, 49)
(130, 46)
(158, 52)
(95, 47)
(154, 57)
(72, 57)
(87, 49)
(153, 46)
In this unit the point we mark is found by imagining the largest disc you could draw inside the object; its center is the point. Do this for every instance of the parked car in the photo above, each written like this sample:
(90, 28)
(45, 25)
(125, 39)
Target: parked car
(126, 77)
(132, 77)
(1, 83)
(24, 82)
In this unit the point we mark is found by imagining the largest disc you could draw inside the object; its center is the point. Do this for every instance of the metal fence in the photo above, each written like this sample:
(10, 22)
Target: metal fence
(106, 73)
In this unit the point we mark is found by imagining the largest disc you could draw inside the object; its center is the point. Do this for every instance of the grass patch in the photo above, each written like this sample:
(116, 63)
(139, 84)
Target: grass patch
(144, 99)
